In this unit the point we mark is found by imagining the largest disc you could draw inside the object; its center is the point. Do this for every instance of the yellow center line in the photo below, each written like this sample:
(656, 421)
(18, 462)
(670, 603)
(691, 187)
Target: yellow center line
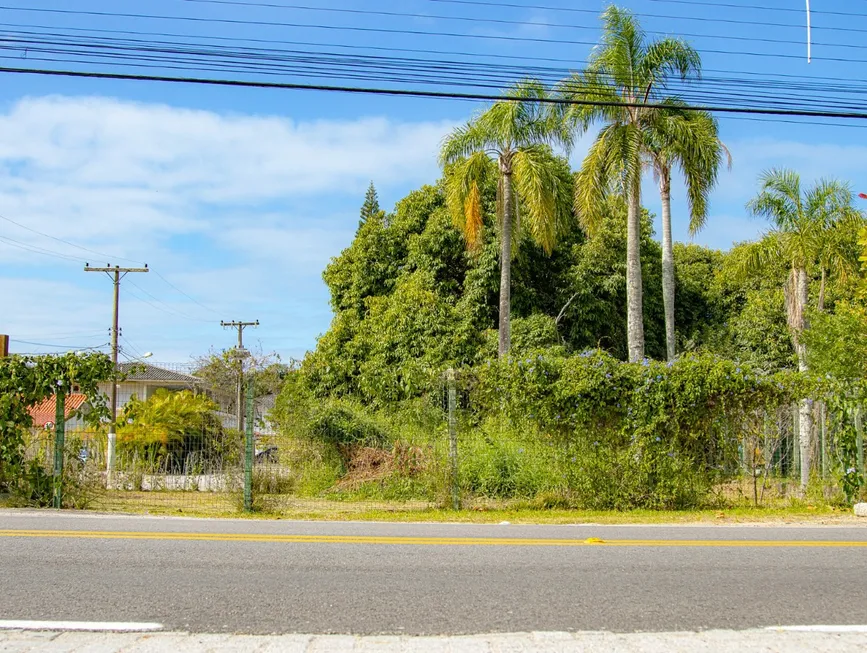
(416, 541)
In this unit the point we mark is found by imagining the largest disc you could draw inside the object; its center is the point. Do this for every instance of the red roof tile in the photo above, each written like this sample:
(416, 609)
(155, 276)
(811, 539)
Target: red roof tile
(46, 411)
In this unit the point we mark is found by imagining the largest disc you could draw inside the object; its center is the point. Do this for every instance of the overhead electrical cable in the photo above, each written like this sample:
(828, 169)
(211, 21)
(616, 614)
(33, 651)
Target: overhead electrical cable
(28, 42)
(419, 93)
(382, 30)
(37, 250)
(482, 3)
(427, 51)
(66, 242)
(162, 306)
(524, 23)
(45, 344)
(192, 299)
(323, 65)
(698, 3)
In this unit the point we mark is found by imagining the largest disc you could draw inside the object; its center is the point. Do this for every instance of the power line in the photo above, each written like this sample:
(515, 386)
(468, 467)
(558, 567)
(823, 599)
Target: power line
(43, 344)
(73, 335)
(192, 299)
(134, 349)
(85, 249)
(756, 7)
(36, 250)
(382, 30)
(406, 70)
(162, 306)
(65, 242)
(686, 96)
(305, 63)
(428, 51)
(503, 21)
(776, 121)
(481, 3)
(691, 94)
(421, 93)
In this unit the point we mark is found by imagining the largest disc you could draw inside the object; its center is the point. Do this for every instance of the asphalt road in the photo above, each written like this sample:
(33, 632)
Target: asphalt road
(363, 578)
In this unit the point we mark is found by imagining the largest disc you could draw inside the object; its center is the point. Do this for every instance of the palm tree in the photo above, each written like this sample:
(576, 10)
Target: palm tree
(624, 76)
(513, 140)
(805, 232)
(839, 250)
(689, 140)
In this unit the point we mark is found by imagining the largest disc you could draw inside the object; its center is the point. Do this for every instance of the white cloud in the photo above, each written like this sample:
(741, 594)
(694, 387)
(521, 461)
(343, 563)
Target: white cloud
(241, 212)
(128, 176)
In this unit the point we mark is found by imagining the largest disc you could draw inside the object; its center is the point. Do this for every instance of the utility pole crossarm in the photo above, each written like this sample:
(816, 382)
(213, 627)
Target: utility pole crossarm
(240, 325)
(88, 268)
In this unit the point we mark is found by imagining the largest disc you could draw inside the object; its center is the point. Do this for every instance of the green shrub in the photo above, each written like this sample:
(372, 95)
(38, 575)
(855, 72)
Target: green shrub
(648, 434)
(34, 481)
(582, 430)
(503, 461)
(342, 423)
(315, 466)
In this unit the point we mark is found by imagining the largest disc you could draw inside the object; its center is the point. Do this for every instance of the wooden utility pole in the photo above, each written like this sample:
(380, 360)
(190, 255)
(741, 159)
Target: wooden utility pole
(240, 353)
(4, 345)
(115, 273)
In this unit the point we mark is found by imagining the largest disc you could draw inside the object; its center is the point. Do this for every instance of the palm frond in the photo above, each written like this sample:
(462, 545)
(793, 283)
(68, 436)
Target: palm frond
(828, 200)
(601, 172)
(664, 59)
(543, 192)
(779, 199)
(622, 44)
(581, 90)
(473, 216)
(463, 195)
(816, 226)
(690, 141)
(839, 249)
(755, 257)
(464, 141)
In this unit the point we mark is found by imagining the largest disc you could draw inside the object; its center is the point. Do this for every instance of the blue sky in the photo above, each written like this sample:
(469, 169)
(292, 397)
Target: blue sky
(237, 198)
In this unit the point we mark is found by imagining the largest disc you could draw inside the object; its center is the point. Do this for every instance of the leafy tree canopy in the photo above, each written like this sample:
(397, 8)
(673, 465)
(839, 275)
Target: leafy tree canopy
(410, 299)
(27, 380)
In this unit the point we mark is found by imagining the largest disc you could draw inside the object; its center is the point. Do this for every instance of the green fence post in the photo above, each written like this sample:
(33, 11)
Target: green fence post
(248, 452)
(796, 442)
(823, 443)
(59, 437)
(859, 442)
(453, 440)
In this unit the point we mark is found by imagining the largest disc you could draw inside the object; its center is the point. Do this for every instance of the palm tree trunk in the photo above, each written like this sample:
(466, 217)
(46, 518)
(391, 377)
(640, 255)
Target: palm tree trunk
(805, 409)
(506, 267)
(822, 292)
(634, 303)
(667, 261)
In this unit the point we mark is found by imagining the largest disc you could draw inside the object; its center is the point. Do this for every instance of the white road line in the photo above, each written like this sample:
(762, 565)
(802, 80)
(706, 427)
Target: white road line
(821, 629)
(108, 626)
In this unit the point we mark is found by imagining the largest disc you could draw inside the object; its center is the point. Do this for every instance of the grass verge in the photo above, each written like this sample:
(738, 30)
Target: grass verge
(193, 504)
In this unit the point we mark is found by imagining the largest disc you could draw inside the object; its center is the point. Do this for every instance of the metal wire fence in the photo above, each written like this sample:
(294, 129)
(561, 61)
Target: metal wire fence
(435, 451)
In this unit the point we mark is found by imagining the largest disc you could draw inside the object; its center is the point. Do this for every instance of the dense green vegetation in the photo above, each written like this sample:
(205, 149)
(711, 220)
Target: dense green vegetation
(563, 417)
(547, 290)
(171, 427)
(595, 367)
(26, 381)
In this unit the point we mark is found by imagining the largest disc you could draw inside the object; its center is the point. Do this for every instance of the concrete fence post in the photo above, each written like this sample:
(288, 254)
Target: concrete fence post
(248, 452)
(59, 444)
(453, 439)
